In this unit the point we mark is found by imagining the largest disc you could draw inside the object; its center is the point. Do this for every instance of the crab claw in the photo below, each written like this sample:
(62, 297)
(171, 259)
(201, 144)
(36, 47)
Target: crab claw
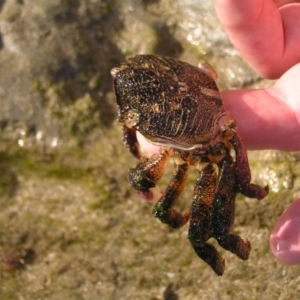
(153, 194)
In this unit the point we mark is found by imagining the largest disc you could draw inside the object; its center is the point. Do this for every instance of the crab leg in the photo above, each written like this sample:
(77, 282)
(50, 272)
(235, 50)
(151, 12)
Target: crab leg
(243, 174)
(224, 210)
(201, 218)
(163, 209)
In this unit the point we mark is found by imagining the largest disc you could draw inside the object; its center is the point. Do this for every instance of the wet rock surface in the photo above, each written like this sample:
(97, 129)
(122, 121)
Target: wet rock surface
(71, 227)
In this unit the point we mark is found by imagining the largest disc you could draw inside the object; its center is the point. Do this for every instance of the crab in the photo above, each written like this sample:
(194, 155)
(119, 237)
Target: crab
(179, 107)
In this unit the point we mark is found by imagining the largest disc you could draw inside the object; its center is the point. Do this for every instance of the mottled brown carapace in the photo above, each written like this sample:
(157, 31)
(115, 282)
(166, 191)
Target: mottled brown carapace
(179, 107)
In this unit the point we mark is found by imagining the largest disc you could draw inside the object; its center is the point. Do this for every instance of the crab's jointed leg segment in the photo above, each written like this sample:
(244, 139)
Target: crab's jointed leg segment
(163, 209)
(223, 212)
(201, 218)
(243, 173)
(236, 245)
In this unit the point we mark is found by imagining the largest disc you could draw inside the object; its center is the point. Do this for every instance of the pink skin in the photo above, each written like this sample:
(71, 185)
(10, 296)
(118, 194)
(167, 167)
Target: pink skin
(285, 238)
(266, 32)
(269, 118)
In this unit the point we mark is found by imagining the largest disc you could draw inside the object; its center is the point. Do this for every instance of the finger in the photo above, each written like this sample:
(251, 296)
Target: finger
(269, 119)
(287, 89)
(263, 121)
(263, 34)
(285, 238)
(245, 23)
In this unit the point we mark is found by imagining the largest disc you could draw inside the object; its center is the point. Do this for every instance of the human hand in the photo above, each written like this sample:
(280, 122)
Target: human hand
(266, 32)
(267, 118)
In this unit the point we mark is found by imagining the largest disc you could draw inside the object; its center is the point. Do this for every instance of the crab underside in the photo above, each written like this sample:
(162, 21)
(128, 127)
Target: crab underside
(179, 107)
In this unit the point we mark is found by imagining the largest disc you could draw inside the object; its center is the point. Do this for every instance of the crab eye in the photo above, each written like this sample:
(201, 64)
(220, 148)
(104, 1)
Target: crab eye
(114, 72)
(129, 118)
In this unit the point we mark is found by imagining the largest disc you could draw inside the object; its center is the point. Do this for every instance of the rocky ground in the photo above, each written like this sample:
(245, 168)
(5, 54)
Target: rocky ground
(71, 227)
